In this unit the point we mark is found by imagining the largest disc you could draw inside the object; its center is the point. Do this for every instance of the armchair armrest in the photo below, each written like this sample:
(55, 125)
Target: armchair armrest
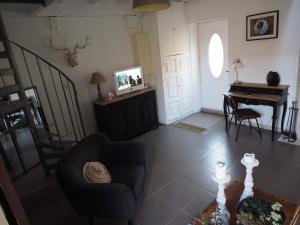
(128, 153)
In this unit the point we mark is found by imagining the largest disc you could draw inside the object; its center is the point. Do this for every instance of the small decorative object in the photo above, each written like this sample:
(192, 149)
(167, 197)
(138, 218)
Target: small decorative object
(249, 162)
(256, 211)
(71, 54)
(273, 78)
(144, 6)
(97, 78)
(237, 64)
(109, 97)
(221, 216)
(290, 132)
(262, 26)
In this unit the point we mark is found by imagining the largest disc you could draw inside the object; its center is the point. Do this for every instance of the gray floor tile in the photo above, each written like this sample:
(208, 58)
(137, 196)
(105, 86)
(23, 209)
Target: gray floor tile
(198, 175)
(195, 153)
(199, 204)
(213, 157)
(175, 165)
(157, 178)
(181, 219)
(180, 192)
(155, 211)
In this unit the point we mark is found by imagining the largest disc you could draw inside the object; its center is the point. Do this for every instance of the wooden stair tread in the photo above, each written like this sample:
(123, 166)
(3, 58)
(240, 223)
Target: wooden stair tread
(5, 91)
(3, 55)
(7, 72)
(44, 134)
(11, 107)
(63, 145)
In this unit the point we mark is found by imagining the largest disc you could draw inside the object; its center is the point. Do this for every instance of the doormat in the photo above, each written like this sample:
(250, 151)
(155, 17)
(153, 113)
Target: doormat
(189, 127)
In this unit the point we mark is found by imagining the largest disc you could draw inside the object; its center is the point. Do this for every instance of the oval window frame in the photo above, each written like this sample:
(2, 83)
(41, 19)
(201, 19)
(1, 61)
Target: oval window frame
(217, 39)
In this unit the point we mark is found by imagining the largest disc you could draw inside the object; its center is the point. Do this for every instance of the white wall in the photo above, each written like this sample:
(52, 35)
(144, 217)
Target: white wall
(111, 49)
(261, 56)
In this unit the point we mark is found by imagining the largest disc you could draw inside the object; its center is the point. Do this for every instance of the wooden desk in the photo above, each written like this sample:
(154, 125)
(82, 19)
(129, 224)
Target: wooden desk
(233, 194)
(260, 94)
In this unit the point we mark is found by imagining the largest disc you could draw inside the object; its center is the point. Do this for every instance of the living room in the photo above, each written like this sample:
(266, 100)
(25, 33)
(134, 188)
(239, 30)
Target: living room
(161, 75)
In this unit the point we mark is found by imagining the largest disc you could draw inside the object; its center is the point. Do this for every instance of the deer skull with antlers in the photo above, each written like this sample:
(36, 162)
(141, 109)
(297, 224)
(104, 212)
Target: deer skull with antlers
(71, 54)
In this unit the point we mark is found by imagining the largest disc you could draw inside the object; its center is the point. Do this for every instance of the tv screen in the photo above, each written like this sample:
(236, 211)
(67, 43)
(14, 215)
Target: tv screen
(128, 80)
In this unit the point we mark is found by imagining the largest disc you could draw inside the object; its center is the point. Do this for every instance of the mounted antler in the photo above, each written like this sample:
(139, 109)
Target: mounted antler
(51, 45)
(71, 54)
(86, 43)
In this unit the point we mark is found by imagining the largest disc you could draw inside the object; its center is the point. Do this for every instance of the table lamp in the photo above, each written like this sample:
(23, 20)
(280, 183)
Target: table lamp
(237, 64)
(97, 78)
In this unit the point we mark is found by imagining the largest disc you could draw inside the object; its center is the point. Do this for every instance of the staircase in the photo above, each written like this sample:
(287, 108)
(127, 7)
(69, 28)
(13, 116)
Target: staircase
(37, 95)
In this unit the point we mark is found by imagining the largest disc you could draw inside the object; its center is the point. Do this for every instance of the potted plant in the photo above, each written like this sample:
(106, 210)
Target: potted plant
(256, 211)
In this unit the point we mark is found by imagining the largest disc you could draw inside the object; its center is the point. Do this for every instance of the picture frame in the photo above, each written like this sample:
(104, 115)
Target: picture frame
(262, 26)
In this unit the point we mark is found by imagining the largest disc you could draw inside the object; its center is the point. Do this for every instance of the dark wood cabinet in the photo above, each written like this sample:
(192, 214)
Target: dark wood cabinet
(127, 116)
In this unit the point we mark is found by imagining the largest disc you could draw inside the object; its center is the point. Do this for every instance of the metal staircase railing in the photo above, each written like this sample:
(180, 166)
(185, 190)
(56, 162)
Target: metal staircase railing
(36, 94)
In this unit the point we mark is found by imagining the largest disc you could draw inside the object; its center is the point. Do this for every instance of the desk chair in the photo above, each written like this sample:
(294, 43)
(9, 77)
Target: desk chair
(240, 115)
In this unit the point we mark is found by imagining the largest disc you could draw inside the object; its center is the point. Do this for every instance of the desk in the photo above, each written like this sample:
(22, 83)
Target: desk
(233, 193)
(260, 94)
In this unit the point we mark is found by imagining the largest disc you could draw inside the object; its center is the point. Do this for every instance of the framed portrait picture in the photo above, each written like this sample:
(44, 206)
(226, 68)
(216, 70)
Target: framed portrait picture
(262, 26)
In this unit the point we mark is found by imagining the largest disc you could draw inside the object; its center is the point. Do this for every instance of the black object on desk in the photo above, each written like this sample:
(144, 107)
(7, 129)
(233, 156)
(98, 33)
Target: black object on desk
(127, 116)
(260, 94)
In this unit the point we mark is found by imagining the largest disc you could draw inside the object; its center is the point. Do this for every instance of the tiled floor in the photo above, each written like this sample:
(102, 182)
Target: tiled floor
(179, 185)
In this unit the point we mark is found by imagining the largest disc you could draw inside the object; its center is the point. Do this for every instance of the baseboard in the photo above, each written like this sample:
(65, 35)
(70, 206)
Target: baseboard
(212, 111)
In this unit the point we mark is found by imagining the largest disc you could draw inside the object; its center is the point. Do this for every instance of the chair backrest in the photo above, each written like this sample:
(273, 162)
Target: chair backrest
(231, 104)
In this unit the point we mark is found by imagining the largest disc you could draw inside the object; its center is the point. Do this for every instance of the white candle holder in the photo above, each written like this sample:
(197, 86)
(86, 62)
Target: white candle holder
(221, 198)
(248, 183)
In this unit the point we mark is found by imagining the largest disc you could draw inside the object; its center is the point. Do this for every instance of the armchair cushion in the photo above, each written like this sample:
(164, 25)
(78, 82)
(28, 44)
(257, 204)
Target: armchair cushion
(131, 175)
(96, 172)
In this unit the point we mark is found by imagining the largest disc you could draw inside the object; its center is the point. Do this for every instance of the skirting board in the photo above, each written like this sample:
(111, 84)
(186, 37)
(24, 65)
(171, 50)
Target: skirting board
(212, 111)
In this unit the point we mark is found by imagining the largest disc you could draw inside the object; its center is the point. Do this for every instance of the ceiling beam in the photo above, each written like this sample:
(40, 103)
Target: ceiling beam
(40, 2)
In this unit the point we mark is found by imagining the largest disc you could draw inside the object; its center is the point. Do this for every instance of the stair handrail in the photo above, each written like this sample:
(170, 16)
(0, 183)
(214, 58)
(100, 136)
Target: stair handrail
(63, 74)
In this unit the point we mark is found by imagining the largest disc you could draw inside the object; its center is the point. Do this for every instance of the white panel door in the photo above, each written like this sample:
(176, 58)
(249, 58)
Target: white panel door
(212, 87)
(177, 85)
(184, 71)
(172, 90)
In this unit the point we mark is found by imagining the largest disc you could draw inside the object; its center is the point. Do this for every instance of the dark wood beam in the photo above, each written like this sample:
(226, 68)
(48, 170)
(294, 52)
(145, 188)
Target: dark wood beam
(40, 2)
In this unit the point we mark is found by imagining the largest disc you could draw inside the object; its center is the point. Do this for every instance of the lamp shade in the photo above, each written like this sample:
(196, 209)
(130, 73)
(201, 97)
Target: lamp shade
(97, 78)
(237, 63)
(143, 6)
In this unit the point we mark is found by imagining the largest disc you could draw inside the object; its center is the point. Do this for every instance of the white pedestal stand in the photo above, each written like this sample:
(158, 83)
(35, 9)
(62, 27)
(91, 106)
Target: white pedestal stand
(221, 198)
(248, 192)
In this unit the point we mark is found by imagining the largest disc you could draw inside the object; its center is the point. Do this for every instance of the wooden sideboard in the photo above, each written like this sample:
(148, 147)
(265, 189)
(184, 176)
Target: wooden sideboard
(127, 116)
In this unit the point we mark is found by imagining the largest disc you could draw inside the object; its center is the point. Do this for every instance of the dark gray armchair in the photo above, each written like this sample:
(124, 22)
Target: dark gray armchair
(126, 162)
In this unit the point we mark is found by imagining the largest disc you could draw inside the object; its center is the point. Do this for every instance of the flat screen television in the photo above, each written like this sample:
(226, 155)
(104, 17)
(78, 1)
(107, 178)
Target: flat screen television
(128, 80)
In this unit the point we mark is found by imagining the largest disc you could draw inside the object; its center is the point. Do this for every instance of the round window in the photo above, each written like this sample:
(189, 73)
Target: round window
(216, 55)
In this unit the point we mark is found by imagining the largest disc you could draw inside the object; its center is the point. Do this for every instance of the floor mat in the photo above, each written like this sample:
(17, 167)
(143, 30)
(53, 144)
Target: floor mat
(189, 127)
(203, 120)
